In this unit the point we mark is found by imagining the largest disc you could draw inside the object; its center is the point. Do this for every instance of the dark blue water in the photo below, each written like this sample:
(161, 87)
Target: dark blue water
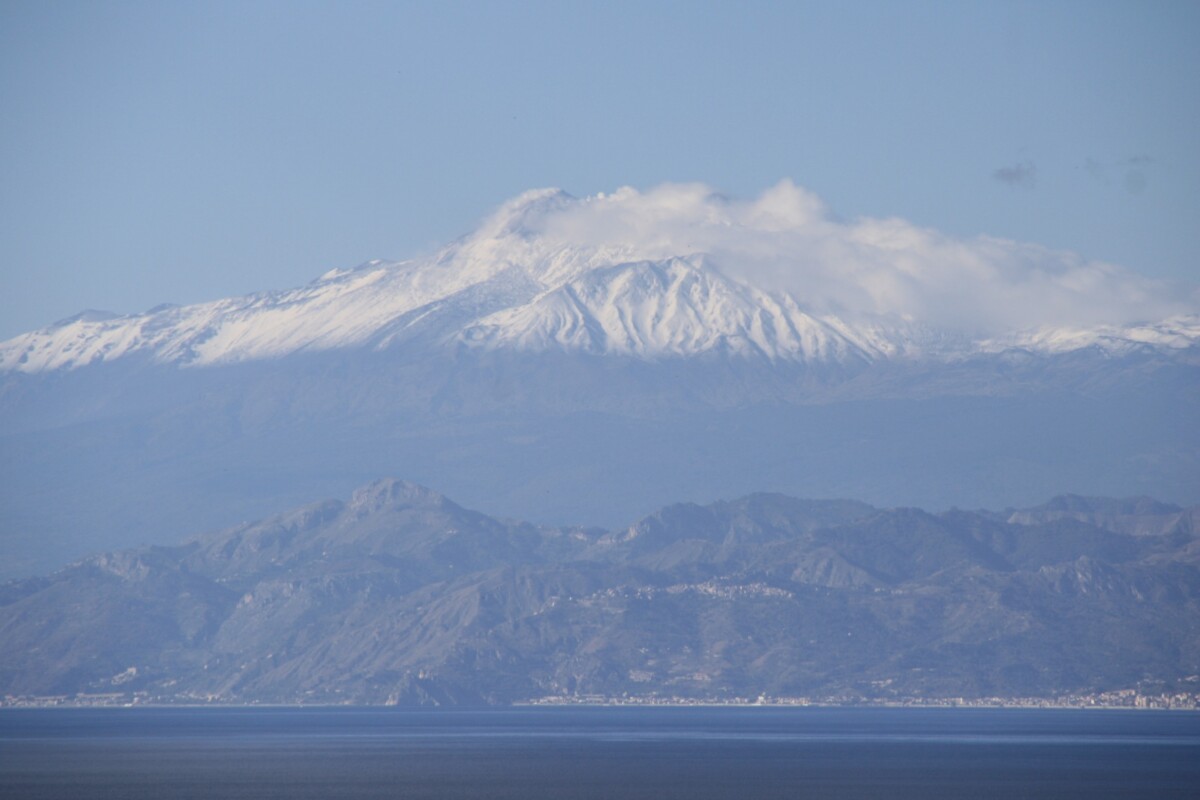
(573, 753)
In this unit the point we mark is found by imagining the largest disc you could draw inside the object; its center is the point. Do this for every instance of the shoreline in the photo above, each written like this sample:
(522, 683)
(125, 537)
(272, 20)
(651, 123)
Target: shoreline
(1019, 704)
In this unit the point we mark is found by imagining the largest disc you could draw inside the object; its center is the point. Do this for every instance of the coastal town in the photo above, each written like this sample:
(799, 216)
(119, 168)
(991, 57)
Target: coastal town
(1123, 698)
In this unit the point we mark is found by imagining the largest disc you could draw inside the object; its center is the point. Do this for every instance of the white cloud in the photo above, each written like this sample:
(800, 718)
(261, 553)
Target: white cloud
(786, 239)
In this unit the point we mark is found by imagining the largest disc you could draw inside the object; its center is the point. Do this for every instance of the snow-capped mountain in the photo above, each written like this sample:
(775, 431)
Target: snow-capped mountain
(514, 284)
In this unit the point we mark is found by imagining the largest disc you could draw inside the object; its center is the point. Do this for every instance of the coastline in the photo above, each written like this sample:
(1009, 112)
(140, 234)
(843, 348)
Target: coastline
(1127, 700)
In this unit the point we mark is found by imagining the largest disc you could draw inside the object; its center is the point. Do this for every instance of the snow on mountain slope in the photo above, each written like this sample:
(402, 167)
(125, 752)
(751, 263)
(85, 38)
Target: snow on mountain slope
(676, 307)
(522, 281)
(1173, 333)
(342, 308)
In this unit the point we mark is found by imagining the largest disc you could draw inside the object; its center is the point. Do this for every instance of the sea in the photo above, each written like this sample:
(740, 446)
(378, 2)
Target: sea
(597, 752)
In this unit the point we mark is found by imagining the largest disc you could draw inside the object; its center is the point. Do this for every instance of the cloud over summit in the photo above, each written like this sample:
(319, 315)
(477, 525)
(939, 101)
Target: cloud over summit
(786, 239)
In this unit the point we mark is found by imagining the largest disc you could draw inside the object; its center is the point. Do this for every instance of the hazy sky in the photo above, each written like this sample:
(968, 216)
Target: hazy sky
(164, 151)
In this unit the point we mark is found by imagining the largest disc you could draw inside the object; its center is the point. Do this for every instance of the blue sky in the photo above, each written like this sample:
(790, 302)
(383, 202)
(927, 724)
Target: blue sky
(155, 152)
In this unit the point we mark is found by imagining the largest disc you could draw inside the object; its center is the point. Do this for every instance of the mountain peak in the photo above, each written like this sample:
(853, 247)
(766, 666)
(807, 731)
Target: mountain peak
(520, 215)
(394, 493)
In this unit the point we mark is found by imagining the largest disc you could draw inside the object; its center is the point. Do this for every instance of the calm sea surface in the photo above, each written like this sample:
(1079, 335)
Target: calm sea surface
(573, 753)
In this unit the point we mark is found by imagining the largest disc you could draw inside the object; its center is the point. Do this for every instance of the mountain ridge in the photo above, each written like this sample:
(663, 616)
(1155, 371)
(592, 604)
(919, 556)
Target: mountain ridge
(401, 596)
